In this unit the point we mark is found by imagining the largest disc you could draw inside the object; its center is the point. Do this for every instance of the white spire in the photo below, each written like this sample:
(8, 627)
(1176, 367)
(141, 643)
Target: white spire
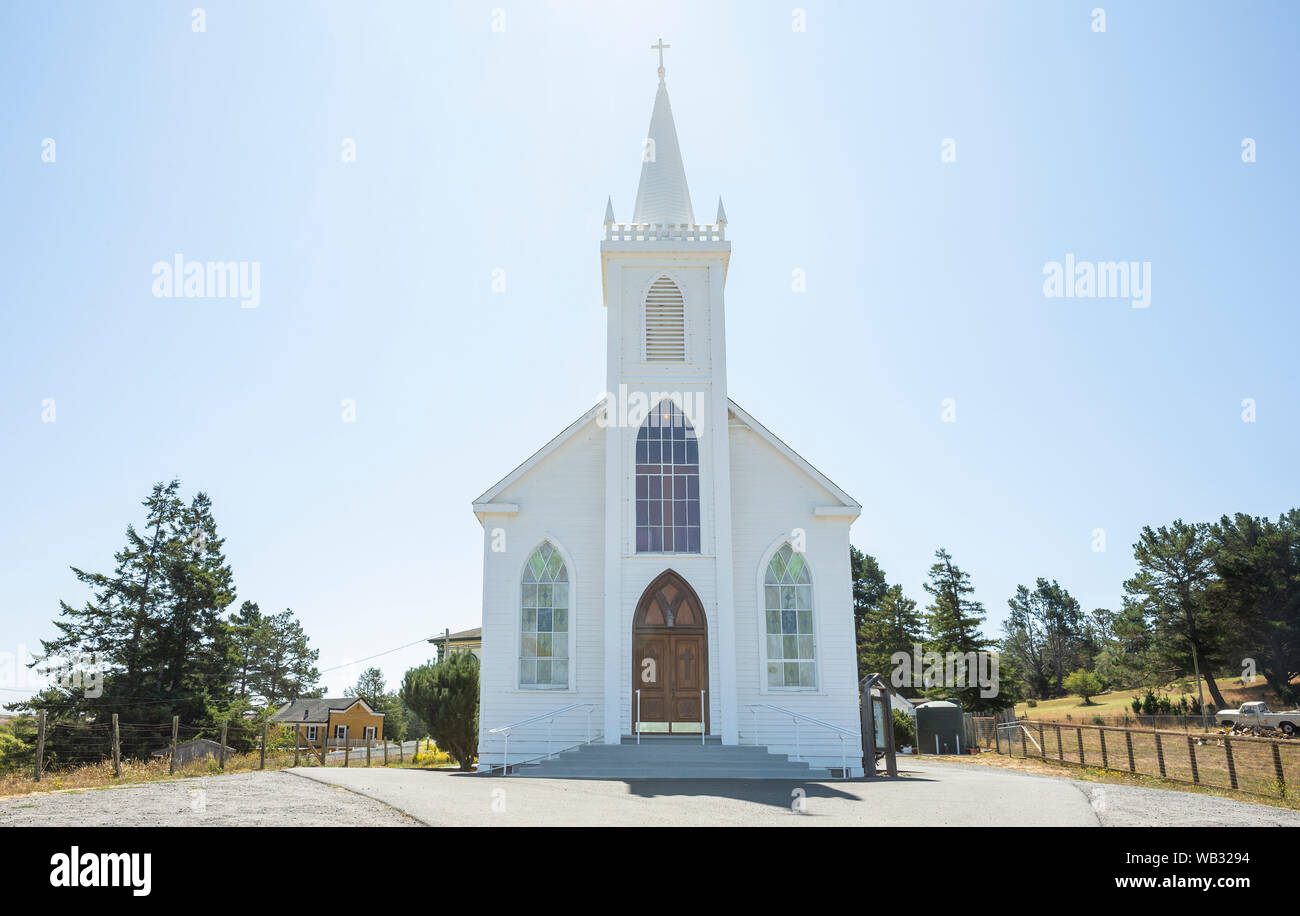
(662, 196)
(722, 214)
(609, 211)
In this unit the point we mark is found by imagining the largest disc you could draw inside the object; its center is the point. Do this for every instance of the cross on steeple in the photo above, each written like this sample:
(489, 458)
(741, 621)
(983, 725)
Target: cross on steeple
(660, 48)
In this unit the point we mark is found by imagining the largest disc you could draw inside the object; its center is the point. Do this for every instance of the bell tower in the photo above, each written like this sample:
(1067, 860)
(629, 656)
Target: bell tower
(663, 277)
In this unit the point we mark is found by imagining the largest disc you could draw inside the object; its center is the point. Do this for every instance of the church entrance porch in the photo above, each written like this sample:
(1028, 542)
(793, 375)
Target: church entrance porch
(670, 659)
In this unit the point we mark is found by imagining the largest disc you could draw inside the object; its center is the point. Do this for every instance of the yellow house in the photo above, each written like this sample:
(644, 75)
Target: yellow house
(342, 721)
(470, 641)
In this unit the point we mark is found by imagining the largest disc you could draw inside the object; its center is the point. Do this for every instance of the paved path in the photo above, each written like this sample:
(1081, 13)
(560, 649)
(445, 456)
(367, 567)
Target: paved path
(265, 799)
(931, 795)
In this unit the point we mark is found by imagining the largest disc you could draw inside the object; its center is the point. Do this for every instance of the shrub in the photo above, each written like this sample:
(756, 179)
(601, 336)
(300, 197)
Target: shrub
(1084, 684)
(1136, 703)
(1031, 702)
(904, 730)
(445, 696)
(1149, 703)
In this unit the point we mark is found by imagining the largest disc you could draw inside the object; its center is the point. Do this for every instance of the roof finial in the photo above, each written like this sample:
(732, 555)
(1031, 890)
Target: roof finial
(660, 48)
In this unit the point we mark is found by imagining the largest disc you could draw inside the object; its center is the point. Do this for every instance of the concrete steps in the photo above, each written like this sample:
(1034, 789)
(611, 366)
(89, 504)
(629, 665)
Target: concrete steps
(670, 757)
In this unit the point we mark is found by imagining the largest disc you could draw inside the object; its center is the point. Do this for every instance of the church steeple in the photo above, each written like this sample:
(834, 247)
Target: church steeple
(662, 197)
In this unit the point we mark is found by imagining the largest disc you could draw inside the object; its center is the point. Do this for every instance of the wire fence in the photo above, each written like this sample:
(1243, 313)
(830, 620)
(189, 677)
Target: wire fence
(89, 753)
(1259, 766)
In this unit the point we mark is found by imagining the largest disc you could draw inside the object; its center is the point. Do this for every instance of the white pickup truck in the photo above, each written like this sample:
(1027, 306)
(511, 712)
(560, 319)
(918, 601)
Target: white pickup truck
(1258, 713)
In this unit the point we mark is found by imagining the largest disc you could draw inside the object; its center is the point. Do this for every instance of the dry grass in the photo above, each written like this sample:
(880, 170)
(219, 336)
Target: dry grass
(1168, 754)
(1119, 702)
(1094, 774)
(100, 775)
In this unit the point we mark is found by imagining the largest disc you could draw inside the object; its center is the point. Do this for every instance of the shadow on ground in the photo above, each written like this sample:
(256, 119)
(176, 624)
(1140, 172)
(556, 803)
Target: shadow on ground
(778, 793)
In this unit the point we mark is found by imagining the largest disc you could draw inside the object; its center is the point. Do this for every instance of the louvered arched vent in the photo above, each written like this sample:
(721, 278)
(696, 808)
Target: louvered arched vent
(665, 323)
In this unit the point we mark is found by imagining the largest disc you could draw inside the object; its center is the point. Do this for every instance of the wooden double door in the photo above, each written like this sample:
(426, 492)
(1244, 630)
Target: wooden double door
(670, 659)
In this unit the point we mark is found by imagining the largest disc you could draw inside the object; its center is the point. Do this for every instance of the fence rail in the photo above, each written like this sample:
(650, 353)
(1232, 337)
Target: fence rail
(59, 747)
(1258, 766)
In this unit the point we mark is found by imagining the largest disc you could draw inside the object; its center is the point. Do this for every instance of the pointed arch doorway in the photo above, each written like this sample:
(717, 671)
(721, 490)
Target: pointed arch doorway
(670, 658)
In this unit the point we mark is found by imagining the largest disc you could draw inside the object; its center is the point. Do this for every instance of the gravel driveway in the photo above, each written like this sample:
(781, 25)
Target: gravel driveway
(265, 799)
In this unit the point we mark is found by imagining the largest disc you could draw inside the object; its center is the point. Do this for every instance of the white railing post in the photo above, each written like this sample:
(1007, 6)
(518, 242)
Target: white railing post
(549, 724)
(797, 754)
(753, 711)
(701, 718)
(505, 757)
(844, 762)
(589, 725)
(638, 716)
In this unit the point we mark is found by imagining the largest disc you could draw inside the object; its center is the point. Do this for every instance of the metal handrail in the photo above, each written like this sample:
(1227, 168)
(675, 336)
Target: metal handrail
(505, 730)
(796, 717)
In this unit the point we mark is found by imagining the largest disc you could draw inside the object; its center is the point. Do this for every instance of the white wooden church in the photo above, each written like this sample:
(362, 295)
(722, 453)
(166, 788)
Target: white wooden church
(666, 569)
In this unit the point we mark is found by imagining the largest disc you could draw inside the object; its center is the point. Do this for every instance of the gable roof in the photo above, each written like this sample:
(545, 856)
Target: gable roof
(794, 457)
(533, 460)
(317, 711)
(484, 504)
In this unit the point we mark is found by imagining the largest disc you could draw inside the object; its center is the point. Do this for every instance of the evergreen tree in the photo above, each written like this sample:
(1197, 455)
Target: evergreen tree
(893, 625)
(445, 696)
(1170, 589)
(1257, 593)
(953, 620)
(1046, 636)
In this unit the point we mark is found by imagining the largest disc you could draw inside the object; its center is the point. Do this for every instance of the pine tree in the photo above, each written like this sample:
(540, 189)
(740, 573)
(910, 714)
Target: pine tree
(892, 626)
(953, 622)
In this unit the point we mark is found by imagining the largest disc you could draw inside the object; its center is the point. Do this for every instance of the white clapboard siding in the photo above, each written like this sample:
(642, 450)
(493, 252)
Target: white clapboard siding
(561, 498)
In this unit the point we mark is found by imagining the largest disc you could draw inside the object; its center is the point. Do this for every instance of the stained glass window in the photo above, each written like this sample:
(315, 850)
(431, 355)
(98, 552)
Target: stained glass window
(667, 483)
(544, 639)
(787, 604)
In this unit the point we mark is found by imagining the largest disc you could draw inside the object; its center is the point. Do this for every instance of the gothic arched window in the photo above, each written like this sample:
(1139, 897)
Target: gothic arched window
(667, 482)
(788, 609)
(544, 633)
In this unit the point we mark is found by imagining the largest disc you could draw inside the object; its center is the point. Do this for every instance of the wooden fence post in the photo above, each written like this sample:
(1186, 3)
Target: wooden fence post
(401, 752)
(997, 736)
(221, 751)
(40, 745)
(1078, 734)
(1191, 753)
(1232, 766)
(1160, 754)
(1023, 747)
(176, 731)
(385, 752)
(262, 763)
(367, 753)
(1277, 768)
(1060, 751)
(347, 753)
(1128, 741)
(324, 743)
(1105, 760)
(297, 740)
(117, 749)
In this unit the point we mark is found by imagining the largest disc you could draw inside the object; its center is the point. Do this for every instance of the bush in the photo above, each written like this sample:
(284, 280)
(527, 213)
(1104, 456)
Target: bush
(1083, 683)
(1136, 703)
(1149, 705)
(445, 696)
(1031, 702)
(904, 730)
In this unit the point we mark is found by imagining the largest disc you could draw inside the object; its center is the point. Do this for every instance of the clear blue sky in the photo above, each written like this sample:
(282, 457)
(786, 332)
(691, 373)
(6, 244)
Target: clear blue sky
(479, 150)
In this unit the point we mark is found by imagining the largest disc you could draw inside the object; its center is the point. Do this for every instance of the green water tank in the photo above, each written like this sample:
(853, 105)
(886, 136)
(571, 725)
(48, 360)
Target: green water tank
(940, 728)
